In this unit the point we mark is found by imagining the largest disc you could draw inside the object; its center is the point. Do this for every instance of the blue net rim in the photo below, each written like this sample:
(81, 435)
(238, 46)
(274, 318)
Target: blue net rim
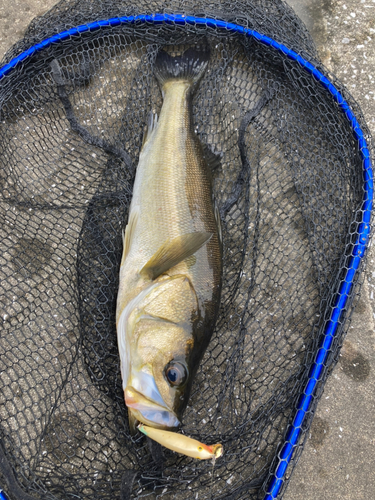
(361, 243)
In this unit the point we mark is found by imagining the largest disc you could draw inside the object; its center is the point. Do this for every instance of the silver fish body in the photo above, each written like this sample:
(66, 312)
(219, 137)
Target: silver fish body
(170, 274)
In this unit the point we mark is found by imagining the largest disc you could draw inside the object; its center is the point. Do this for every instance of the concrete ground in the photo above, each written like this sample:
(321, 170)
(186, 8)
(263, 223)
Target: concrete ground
(338, 462)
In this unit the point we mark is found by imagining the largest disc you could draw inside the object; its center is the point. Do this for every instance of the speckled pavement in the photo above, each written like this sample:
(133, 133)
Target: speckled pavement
(338, 462)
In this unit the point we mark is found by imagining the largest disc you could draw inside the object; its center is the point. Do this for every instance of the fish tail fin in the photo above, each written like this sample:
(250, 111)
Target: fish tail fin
(190, 66)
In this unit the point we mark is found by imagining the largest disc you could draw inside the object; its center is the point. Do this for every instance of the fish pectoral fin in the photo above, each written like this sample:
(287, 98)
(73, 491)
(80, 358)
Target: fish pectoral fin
(174, 251)
(128, 234)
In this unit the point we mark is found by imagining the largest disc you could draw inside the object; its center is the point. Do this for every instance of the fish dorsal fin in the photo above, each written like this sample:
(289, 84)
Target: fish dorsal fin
(151, 125)
(174, 251)
(128, 234)
(213, 159)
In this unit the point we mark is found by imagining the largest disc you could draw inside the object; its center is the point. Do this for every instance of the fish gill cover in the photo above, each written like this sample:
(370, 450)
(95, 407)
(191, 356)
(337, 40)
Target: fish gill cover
(294, 201)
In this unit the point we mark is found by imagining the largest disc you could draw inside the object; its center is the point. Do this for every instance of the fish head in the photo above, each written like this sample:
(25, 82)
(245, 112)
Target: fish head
(161, 356)
(159, 377)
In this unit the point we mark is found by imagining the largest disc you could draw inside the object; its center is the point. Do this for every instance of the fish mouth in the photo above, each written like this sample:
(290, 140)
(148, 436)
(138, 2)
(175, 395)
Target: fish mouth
(149, 412)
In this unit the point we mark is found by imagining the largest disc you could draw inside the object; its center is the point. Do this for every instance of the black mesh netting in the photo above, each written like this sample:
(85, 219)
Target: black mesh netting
(289, 190)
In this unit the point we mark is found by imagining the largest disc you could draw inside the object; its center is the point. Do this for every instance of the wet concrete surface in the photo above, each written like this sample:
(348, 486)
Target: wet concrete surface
(338, 462)
(15, 16)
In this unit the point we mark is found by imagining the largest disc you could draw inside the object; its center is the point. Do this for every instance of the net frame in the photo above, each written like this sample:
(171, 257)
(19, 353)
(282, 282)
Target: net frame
(318, 372)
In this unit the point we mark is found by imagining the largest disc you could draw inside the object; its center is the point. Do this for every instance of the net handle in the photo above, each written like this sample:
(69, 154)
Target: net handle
(359, 249)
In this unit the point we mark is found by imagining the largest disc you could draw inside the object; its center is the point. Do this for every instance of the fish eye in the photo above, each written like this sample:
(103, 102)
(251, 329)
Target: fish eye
(176, 373)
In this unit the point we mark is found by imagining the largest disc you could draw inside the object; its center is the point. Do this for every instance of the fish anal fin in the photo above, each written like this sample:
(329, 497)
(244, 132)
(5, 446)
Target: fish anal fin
(128, 234)
(174, 251)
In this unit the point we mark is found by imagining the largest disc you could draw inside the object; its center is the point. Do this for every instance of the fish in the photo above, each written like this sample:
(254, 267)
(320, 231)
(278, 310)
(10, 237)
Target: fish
(171, 269)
